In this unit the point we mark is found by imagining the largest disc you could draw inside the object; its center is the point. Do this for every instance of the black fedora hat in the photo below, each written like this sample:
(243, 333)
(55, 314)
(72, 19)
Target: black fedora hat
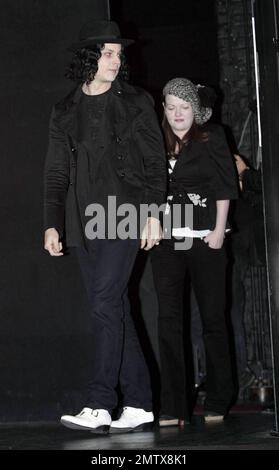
(100, 31)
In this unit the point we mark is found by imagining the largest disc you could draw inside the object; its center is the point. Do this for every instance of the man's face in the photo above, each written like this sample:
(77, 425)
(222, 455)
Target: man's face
(109, 63)
(179, 114)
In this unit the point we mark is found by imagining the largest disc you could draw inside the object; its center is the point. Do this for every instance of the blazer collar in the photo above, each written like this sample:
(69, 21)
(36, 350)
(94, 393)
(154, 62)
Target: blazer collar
(189, 153)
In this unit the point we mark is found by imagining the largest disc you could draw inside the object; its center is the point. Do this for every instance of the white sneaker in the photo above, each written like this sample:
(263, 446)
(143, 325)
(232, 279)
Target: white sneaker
(97, 421)
(132, 420)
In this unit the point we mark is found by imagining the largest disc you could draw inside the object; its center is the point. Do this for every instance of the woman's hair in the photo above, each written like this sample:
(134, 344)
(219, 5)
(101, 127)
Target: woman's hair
(172, 140)
(85, 65)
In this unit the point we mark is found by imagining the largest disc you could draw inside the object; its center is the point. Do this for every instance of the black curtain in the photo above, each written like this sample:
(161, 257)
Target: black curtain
(267, 24)
(42, 319)
(44, 344)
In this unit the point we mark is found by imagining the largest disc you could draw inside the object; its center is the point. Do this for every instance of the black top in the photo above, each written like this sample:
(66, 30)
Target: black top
(91, 115)
(129, 161)
(204, 173)
(92, 125)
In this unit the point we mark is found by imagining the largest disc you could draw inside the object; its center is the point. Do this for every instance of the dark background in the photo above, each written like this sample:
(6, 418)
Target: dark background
(43, 334)
(177, 37)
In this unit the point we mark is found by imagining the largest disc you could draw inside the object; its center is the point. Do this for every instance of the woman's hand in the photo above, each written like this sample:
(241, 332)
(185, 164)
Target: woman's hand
(215, 239)
(52, 244)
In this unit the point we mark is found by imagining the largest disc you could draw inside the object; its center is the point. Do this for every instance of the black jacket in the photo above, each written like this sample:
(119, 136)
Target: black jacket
(249, 239)
(131, 162)
(204, 173)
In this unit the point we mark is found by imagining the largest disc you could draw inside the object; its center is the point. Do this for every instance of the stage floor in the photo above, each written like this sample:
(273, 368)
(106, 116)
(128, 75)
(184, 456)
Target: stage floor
(242, 430)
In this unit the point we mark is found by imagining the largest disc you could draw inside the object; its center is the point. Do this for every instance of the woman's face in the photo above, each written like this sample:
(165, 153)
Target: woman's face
(179, 114)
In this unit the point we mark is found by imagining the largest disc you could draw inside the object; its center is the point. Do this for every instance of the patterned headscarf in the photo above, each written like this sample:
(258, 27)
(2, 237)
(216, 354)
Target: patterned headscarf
(186, 90)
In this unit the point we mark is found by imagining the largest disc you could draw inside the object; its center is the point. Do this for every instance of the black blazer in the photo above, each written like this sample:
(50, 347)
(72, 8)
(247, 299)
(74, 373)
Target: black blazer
(204, 173)
(132, 162)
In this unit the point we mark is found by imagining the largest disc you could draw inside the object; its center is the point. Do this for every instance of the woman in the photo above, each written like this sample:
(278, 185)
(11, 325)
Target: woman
(202, 175)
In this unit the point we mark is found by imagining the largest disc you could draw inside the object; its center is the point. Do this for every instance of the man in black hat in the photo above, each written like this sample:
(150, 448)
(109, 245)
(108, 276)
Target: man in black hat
(105, 143)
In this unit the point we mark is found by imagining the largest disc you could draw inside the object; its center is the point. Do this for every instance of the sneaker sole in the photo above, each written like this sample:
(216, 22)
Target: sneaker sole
(168, 422)
(140, 428)
(99, 430)
(214, 419)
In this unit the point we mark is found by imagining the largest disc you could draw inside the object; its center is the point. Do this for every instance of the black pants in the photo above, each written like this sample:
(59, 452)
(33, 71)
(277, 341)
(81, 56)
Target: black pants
(207, 270)
(116, 352)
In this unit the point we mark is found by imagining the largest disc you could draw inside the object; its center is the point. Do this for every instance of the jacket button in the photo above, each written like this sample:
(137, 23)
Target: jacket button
(73, 149)
(122, 174)
(71, 184)
(120, 157)
(118, 139)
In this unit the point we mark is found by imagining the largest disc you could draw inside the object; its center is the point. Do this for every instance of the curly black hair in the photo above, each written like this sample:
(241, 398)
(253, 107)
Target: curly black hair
(84, 65)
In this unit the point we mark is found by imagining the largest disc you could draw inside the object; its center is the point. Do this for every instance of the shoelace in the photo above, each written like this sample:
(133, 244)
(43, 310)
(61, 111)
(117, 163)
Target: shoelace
(93, 412)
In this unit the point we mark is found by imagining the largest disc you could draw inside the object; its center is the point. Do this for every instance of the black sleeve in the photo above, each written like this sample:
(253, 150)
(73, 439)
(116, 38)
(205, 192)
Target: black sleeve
(56, 177)
(151, 145)
(252, 180)
(224, 184)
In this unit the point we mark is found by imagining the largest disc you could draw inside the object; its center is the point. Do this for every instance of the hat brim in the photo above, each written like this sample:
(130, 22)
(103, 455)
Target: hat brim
(93, 41)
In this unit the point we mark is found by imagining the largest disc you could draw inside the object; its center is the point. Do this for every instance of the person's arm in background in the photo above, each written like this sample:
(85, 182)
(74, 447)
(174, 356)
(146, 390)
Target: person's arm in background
(241, 168)
(249, 178)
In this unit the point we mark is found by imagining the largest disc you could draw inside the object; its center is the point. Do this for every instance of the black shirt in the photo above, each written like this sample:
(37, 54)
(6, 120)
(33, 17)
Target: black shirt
(91, 112)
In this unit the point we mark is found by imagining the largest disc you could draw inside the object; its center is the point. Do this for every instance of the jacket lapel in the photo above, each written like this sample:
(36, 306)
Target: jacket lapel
(188, 154)
(123, 109)
(68, 113)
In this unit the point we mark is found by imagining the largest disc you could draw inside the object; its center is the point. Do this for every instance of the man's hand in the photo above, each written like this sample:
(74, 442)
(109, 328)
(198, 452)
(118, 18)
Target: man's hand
(151, 234)
(52, 244)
